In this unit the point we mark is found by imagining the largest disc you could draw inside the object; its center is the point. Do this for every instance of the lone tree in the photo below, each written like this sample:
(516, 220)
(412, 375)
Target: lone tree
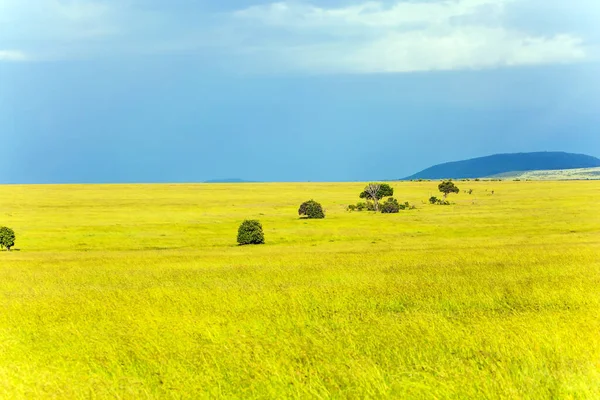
(250, 232)
(376, 192)
(448, 187)
(311, 210)
(7, 238)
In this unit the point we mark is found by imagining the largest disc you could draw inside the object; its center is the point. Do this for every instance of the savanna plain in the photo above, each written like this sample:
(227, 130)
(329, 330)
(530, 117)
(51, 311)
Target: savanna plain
(140, 291)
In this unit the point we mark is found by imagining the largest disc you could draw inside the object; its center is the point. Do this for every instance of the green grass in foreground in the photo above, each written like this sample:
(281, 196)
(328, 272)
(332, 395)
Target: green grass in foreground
(139, 291)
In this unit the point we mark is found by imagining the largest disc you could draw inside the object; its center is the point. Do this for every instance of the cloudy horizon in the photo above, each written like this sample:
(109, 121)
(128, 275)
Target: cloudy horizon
(145, 91)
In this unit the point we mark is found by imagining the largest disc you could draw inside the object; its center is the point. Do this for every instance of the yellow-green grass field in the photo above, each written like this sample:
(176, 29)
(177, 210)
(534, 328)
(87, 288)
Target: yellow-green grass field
(140, 291)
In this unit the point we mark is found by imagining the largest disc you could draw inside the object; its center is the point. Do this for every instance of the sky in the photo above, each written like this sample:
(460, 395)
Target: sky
(323, 90)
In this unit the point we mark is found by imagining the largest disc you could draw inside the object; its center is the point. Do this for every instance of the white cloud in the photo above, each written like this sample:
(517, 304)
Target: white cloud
(91, 29)
(12, 55)
(368, 37)
(55, 29)
(406, 36)
(370, 14)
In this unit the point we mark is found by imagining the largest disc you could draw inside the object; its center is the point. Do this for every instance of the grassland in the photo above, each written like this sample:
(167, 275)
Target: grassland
(139, 291)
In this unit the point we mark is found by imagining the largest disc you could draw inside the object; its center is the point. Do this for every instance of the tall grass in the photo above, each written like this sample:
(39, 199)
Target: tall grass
(139, 291)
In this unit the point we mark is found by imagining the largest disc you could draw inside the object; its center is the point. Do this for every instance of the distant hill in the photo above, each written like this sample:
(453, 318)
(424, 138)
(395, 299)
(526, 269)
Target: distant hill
(230, 180)
(501, 163)
(554, 175)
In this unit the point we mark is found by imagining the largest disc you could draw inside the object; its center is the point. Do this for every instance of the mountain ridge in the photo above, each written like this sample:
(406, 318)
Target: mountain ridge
(495, 164)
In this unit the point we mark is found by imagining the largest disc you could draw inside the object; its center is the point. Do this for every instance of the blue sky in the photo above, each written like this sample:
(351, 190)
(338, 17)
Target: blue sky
(183, 90)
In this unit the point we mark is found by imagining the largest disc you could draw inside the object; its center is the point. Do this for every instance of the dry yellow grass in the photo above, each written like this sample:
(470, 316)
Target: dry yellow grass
(139, 291)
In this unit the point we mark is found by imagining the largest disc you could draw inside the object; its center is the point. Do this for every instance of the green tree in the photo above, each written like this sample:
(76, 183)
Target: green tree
(250, 232)
(311, 210)
(376, 192)
(7, 238)
(448, 187)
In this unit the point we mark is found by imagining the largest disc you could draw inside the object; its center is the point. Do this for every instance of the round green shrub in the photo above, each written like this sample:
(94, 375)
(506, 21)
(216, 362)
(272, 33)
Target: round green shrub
(250, 232)
(7, 238)
(390, 206)
(311, 210)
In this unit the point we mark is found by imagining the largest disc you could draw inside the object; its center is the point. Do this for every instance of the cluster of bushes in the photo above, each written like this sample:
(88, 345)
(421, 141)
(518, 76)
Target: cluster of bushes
(7, 238)
(374, 193)
(392, 206)
(389, 206)
(362, 206)
(377, 197)
(441, 202)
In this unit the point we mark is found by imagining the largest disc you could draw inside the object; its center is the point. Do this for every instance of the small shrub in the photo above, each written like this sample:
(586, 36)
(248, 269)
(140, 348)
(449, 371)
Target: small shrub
(7, 238)
(439, 202)
(391, 206)
(351, 207)
(311, 209)
(360, 206)
(250, 232)
(370, 206)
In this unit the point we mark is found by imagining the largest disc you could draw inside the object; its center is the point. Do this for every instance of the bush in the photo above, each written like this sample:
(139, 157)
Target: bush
(311, 209)
(7, 238)
(351, 207)
(391, 206)
(440, 202)
(250, 232)
(363, 206)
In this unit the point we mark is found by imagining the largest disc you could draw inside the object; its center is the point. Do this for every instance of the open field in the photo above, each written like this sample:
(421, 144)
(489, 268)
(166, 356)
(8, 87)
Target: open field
(139, 291)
